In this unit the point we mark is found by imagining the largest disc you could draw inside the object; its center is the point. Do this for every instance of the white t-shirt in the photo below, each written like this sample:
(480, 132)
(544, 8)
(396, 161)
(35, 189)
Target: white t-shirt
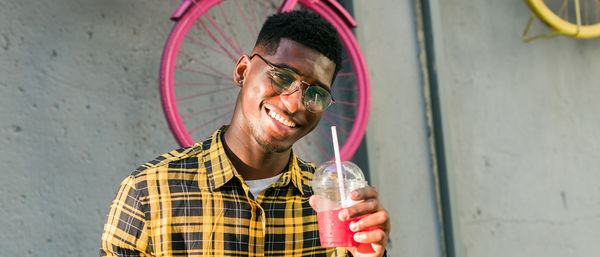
(258, 185)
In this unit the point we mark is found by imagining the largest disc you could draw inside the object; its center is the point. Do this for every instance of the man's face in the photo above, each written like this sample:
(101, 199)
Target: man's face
(276, 121)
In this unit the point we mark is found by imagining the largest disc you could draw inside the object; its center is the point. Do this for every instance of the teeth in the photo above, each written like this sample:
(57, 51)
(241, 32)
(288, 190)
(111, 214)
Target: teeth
(281, 119)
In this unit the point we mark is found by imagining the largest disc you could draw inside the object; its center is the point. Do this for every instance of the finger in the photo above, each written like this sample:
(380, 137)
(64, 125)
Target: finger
(376, 236)
(362, 208)
(364, 193)
(379, 219)
(312, 202)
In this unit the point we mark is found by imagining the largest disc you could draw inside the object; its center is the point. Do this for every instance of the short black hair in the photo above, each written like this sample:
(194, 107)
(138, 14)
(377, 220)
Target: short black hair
(304, 27)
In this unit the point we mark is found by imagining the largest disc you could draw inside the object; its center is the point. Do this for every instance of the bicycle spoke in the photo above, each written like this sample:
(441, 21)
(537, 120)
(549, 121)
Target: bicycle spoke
(586, 15)
(207, 110)
(203, 64)
(204, 28)
(210, 37)
(264, 10)
(344, 131)
(253, 16)
(225, 37)
(597, 11)
(245, 19)
(202, 44)
(202, 73)
(340, 116)
(237, 43)
(345, 74)
(345, 103)
(567, 11)
(210, 121)
(344, 89)
(305, 152)
(316, 142)
(563, 9)
(325, 135)
(204, 93)
(202, 84)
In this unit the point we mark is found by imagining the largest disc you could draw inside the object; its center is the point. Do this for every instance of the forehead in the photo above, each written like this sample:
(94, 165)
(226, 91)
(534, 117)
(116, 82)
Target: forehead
(308, 62)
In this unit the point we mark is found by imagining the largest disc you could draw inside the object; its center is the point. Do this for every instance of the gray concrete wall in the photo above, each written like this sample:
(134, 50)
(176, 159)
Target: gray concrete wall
(521, 132)
(79, 110)
(397, 133)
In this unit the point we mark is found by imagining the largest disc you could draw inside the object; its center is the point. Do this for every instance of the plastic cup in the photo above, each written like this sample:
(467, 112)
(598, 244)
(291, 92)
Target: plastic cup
(331, 200)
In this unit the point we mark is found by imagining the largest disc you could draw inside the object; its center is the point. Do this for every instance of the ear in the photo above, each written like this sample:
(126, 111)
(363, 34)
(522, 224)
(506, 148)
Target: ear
(241, 68)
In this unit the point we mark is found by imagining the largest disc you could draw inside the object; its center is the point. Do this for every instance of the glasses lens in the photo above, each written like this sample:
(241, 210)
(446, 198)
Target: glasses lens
(282, 80)
(316, 99)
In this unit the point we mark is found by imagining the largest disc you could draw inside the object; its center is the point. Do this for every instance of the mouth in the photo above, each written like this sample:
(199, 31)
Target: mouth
(281, 119)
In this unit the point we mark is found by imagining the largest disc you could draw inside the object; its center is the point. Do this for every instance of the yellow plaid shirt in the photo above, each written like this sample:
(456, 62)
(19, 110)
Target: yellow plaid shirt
(192, 202)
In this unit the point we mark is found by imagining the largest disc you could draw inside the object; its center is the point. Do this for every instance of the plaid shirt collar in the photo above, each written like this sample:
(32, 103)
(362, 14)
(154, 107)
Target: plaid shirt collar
(226, 171)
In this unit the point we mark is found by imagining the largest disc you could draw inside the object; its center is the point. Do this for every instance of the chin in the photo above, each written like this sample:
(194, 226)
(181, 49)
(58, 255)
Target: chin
(272, 147)
(269, 143)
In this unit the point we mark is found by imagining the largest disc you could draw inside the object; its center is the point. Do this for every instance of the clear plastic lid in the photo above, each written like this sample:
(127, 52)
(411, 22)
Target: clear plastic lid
(326, 175)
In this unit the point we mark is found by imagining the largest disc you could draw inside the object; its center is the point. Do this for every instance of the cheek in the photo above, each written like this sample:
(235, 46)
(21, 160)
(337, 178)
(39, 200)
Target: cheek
(253, 93)
(314, 119)
(259, 87)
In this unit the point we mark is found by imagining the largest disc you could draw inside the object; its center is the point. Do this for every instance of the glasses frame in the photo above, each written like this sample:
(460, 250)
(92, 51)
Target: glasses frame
(293, 90)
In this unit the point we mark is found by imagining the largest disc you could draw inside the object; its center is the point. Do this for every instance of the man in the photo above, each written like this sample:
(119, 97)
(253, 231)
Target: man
(243, 191)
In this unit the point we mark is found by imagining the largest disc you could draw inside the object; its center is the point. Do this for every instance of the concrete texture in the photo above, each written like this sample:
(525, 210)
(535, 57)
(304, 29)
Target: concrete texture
(521, 129)
(397, 133)
(79, 111)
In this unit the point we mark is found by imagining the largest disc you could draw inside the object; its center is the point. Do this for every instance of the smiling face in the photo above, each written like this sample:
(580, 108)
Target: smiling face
(275, 122)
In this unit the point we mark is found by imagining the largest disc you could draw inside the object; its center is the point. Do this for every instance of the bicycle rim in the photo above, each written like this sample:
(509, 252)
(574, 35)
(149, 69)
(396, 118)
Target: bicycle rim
(197, 89)
(560, 15)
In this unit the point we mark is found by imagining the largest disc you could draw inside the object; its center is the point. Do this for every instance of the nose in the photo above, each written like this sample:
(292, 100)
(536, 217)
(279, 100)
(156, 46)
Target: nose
(293, 100)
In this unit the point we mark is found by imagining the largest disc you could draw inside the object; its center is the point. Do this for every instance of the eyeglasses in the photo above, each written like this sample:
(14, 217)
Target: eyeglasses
(315, 98)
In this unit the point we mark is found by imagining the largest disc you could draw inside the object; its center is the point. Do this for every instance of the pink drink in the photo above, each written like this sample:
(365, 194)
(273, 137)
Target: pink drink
(331, 196)
(333, 231)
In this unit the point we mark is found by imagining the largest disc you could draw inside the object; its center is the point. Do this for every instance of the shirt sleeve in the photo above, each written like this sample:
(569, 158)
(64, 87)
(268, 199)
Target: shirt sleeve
(125, 231)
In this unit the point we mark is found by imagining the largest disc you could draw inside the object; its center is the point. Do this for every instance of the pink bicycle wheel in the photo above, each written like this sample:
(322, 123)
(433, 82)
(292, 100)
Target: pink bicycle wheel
(196, 84)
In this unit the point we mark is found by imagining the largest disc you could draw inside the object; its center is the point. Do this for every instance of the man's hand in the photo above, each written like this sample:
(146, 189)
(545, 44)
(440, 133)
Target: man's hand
(373, 227)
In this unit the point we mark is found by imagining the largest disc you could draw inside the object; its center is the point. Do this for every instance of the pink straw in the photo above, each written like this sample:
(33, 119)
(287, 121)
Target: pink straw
(338, 164)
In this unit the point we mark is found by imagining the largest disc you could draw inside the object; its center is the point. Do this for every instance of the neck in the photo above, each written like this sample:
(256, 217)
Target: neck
(251, 160)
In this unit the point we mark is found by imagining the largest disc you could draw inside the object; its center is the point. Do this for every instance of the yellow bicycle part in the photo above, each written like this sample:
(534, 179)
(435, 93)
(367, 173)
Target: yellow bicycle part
(561, 26)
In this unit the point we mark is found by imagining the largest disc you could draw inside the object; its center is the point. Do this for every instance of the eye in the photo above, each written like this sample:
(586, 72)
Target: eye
(316, 98)
(283, 79)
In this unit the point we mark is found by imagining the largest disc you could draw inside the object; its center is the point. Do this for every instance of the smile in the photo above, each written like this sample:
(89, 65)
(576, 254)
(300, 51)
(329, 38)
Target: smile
(281, 119)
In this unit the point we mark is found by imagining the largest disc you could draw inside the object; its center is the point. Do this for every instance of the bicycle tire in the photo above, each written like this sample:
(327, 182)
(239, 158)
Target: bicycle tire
(559, 24)
(175, 73)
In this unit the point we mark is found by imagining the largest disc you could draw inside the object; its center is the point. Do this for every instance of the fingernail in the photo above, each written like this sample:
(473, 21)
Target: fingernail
(355, 194)
(343, 215)
(354, 226)
(359, 237)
